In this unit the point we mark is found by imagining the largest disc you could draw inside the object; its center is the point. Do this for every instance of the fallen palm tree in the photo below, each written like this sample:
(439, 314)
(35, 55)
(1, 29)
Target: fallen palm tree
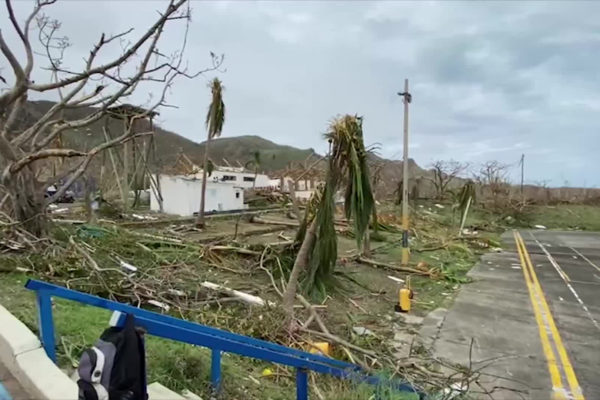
(317, 255)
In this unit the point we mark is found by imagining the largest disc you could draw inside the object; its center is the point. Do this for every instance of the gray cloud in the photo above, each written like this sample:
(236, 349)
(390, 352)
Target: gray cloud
(490, 80)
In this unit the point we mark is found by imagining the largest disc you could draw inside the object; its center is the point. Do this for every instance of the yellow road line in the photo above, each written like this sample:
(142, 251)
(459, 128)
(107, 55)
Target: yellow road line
(576, 391)
(557, 386)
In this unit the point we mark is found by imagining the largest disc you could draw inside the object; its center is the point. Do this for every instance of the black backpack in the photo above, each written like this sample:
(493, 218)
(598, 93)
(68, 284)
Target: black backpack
(115, 368)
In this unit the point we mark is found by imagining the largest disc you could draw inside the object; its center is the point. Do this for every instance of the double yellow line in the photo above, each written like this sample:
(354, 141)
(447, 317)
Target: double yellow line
(551, 341)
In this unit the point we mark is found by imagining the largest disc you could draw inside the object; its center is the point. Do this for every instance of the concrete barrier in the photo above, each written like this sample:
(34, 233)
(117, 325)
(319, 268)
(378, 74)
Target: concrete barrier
(22, 354)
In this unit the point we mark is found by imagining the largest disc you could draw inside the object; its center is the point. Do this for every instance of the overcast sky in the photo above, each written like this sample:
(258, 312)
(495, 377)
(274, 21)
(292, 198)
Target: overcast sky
(490, 80)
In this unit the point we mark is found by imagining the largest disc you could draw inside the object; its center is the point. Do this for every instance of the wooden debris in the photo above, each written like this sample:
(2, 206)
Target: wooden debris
(245, 297)
(239, 250)
(260, 220)
(392, 267)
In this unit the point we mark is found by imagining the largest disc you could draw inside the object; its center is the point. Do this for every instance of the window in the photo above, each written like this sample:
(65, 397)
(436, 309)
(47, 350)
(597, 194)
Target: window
(248, 179)
(237, 195)
(229, 178)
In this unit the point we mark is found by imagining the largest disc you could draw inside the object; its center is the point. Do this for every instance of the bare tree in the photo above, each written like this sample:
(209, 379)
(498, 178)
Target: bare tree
(445, 172)
(26, 147)
(493, 175)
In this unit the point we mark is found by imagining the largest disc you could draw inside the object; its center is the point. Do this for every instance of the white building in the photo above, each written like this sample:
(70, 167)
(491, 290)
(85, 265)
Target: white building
(239, 177)
(181, 195)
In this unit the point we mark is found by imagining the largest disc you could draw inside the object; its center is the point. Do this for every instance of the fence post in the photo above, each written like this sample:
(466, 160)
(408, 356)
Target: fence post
(215, 370)
(301, 384)
(46, 324)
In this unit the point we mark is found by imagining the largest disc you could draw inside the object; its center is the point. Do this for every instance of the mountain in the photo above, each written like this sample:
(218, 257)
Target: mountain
(169, 145)
(241, 149)
(233, 150)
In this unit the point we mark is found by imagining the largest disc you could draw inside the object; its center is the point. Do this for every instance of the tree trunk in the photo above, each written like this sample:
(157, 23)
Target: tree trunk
(28, 202)
(200, 218)
(367, 244)
(299, 265)
(295, 205)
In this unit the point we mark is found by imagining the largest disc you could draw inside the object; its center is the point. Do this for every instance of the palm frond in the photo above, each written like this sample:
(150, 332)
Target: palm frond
(215, 117)
(347, 164)
(210, 167)
(324, 253)
(349, 158)
(466, 192)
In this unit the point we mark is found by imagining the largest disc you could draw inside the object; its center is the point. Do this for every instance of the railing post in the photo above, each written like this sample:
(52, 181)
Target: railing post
(301, 384)
(46, 323)
(215, 370)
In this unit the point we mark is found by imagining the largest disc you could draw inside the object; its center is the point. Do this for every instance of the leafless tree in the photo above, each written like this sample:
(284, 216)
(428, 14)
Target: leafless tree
(27, 147)
(444, 172)
(493, 175)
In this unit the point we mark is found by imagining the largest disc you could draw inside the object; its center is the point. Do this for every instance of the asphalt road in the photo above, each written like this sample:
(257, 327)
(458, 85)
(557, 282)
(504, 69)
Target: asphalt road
(568, 268)
(530, 321)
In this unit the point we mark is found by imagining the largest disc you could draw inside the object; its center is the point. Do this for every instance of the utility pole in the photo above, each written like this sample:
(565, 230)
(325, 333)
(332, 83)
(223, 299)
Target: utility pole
(405, 248)
(522, 178)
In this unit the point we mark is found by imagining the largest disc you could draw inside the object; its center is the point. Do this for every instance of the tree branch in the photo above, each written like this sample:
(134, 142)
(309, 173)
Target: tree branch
(158, 25)
(46, 153)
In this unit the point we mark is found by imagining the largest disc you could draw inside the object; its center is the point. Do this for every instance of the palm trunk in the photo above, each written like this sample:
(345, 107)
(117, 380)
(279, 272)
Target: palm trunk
(200, 218)
(299, 265)
(367, 244)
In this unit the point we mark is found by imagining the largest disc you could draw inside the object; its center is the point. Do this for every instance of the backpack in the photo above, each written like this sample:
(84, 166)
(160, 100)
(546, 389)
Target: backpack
(115, 368)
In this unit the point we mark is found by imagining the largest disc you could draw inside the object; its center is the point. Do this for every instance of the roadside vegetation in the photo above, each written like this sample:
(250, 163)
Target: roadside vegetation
(177, 257)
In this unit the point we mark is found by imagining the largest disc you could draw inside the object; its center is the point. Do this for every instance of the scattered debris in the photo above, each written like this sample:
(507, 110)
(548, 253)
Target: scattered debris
(439, 206)
(127, 266)
(159, 304)
(248, 298)
(395, 279)
(539, 227)
(362, 331)
(144, 217)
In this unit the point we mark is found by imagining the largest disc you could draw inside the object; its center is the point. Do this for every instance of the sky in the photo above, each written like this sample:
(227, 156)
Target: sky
(489, 80)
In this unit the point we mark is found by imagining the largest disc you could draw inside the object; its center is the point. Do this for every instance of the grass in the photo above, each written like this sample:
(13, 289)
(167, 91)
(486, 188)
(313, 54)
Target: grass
(566, 216)
(176, 365)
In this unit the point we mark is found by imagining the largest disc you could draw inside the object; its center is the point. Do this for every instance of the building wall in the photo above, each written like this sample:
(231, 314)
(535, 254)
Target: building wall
(242, 179)
(181, 196)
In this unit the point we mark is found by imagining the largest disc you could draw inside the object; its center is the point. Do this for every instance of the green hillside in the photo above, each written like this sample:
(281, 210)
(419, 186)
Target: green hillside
(241, 148)
(235, 150)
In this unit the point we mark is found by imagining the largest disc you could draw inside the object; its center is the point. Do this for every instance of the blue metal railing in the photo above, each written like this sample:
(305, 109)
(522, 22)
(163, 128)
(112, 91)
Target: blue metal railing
(217, 340)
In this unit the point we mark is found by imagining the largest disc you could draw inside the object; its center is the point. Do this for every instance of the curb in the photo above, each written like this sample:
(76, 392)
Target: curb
(22, 354)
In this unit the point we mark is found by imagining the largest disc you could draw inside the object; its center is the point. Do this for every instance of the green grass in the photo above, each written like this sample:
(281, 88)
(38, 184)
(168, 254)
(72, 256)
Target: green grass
(176, 365)
(566, 216)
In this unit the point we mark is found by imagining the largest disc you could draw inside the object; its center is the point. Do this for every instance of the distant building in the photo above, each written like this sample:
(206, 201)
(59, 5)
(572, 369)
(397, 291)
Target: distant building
(238, 176)
(303, 186)
(181, 195)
